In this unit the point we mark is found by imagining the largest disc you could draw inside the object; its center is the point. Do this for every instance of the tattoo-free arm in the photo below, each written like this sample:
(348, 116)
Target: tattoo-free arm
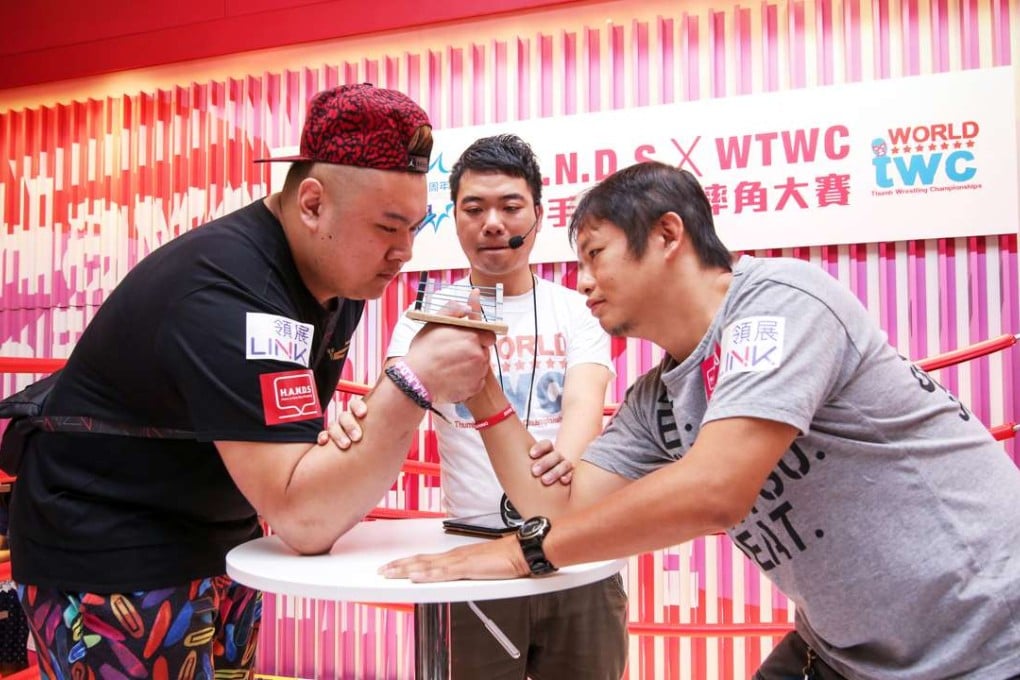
(312, 494)
(508, 444)
(710, 489)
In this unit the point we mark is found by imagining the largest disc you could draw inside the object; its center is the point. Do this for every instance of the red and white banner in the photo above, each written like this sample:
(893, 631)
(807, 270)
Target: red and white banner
(911, 158)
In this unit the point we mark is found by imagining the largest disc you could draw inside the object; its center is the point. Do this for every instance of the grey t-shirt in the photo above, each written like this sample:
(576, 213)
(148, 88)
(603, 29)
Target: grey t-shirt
(893, 522)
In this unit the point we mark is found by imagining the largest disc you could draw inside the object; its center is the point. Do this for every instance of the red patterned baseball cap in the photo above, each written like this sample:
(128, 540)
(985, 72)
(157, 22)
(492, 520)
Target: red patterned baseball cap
(364, 126)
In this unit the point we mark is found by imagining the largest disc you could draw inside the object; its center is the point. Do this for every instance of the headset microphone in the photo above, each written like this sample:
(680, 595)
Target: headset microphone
(516, 242)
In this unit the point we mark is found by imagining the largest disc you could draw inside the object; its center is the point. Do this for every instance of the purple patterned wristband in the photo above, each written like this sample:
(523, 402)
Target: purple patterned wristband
(413, 380)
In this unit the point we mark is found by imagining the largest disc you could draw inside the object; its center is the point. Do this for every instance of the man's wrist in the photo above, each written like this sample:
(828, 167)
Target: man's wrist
(408, 382)
(420, 369)
(410, 378)
(489, 400)
(520, 564)
(531, 535)
(495, 418)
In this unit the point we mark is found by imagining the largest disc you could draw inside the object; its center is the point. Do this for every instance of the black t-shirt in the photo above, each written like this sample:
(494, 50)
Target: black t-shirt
(213, 333)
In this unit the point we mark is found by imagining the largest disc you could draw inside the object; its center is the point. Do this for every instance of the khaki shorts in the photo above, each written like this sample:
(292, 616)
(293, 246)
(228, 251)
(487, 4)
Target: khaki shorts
(580, 634)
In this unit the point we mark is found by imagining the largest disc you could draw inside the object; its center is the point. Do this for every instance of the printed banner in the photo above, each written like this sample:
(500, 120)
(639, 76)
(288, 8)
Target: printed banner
(889, 160)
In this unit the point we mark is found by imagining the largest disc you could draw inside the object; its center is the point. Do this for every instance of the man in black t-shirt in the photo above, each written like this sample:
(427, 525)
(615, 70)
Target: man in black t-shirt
(235, 332)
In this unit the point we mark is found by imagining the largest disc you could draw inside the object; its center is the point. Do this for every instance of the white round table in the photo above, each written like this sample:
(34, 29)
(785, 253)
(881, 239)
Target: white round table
(350, 573)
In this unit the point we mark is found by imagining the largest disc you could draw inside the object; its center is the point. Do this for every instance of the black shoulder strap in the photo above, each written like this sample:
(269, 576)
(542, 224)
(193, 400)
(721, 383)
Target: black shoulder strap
(27, 405)
(84, 424)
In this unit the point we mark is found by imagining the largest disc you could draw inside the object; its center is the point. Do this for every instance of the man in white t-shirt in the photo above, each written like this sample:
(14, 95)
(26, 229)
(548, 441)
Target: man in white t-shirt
(554, 365)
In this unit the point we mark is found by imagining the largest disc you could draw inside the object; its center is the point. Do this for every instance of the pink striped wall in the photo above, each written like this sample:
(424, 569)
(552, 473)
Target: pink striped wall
(91, 185)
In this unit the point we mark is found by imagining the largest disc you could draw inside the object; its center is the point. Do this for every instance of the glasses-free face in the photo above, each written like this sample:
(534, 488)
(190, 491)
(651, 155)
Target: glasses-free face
(494, 212)
(619, 288)
(366, 227)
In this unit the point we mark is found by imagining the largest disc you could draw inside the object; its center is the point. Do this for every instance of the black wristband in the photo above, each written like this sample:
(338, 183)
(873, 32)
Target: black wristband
(408, 390)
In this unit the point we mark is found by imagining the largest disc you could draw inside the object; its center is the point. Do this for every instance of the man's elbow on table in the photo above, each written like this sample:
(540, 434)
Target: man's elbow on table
(311, 535)
(298, 491)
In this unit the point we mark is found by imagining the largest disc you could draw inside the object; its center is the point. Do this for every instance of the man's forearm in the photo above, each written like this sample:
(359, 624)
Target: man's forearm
(712, 488)
(332, 490)
(670, 506)
(507, 444)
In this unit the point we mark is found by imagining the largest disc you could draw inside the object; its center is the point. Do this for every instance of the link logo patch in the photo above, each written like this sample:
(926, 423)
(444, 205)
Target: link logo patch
(752, 345)
(289, 396)
(268, 336)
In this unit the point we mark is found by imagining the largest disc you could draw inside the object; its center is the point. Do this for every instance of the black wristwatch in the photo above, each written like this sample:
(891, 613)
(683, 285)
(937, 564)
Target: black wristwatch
(530, 535)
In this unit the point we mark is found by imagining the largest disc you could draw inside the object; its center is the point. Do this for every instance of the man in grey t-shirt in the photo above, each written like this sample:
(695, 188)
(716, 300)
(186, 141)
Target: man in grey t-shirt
(780, 415)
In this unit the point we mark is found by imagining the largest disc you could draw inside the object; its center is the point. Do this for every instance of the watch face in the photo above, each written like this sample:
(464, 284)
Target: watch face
(533, 527)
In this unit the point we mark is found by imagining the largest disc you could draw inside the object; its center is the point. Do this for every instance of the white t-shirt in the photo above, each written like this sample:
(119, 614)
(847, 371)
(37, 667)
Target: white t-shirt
(567, 335)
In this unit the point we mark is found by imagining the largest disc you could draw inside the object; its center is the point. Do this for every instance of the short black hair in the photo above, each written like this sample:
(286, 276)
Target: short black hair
(297, 171)
(636, 197)
(504, 154)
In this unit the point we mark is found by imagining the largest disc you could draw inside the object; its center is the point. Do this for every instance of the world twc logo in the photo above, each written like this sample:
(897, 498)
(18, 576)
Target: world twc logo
(924, 158)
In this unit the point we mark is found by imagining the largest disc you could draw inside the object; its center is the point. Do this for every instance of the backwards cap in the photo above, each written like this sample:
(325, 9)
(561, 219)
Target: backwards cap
(366, 127)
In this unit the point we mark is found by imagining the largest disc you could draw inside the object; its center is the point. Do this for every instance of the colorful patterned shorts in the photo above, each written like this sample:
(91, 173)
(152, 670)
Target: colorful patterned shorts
(204, 630)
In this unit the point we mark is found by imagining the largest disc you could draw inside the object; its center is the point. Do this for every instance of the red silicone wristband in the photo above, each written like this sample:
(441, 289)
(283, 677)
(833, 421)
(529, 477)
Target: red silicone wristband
(495, 419)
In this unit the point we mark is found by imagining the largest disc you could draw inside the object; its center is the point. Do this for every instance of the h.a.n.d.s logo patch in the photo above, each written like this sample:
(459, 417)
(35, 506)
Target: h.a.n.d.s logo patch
(268, 336)
(753, 344)
(289, 397)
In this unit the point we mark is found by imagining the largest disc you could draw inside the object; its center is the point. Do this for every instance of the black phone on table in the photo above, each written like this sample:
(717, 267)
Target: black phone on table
(489, 525)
